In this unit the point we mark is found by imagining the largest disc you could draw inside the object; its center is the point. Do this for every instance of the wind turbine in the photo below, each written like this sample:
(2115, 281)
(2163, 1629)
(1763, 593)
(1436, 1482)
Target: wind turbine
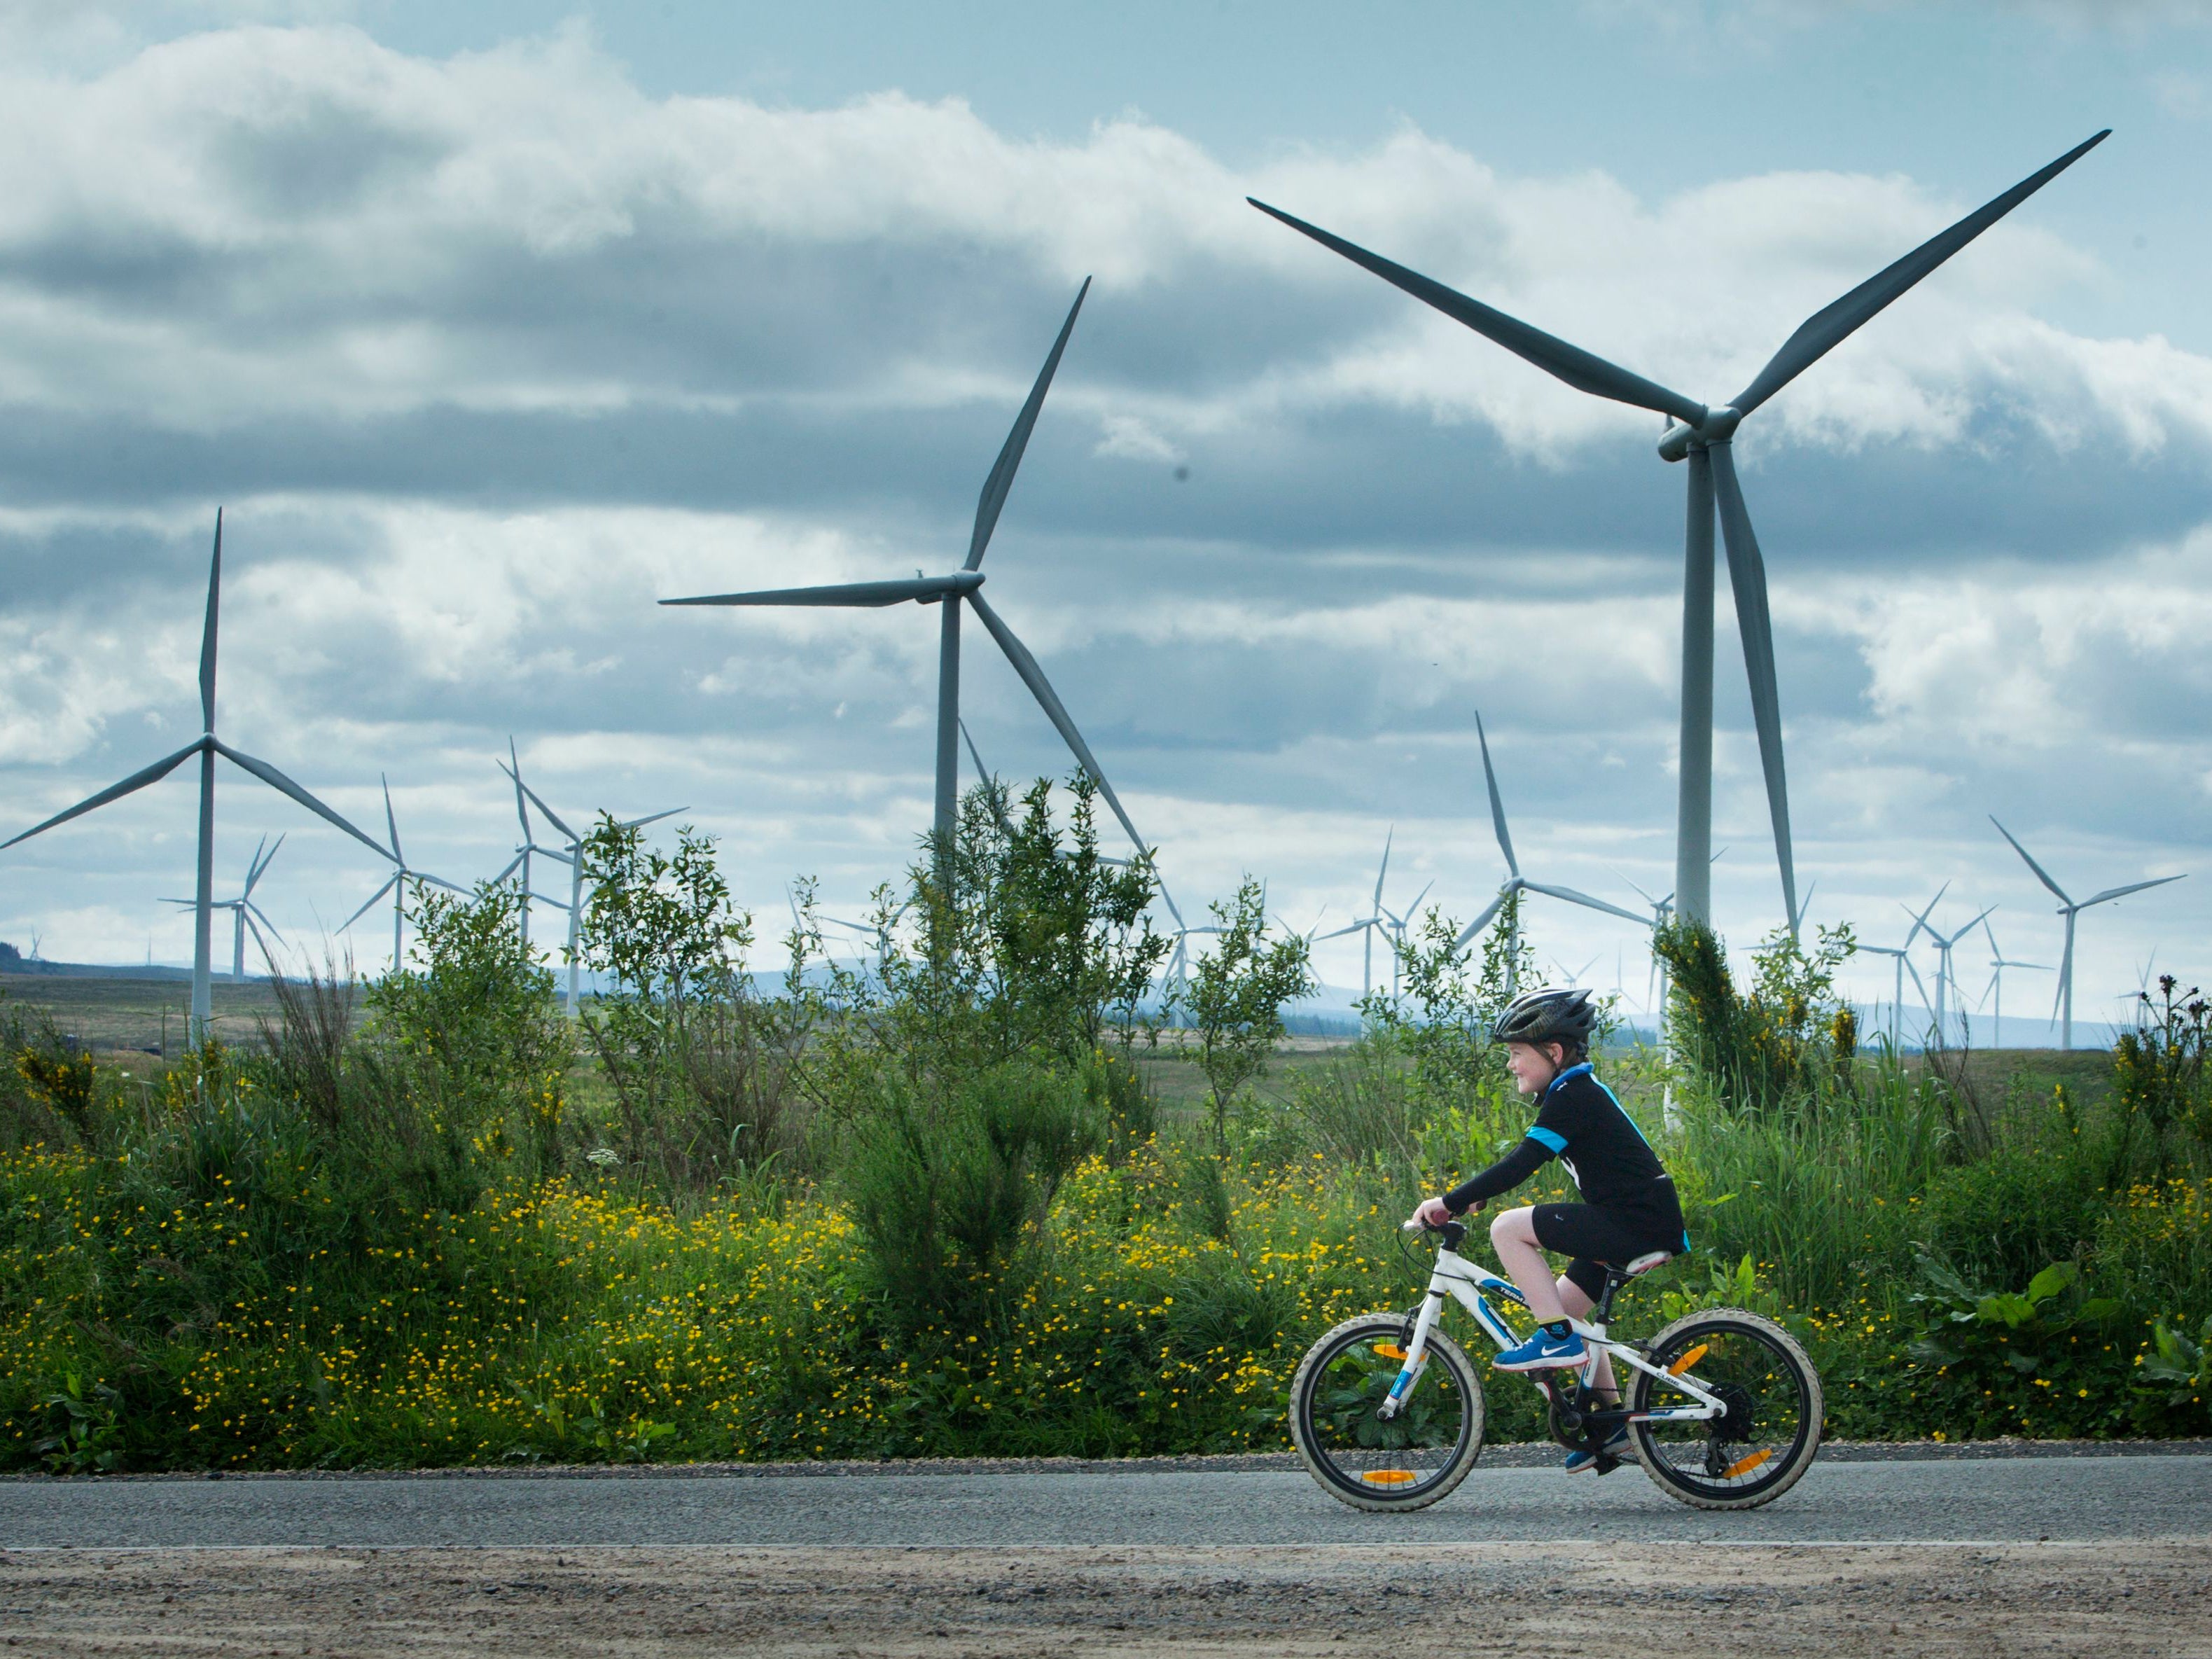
(572, 855)
(2069, 909)
(1945, 980)
(1703, 435)
(1368, 924)
(395, 885)
(207, 746)
(244, 912)
(953, 591)
(526, 848)
(1998, 964)
(1396, 925)
(1515, 881)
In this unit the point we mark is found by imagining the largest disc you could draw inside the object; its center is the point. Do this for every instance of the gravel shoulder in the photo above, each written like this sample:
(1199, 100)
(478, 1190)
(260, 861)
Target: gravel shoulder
(1559, 1599)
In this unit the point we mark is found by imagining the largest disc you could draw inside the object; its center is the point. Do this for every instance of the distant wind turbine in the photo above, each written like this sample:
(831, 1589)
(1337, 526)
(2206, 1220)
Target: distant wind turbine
(1998, 963)
(1515, 881)
(1946, 981)
(245, 912)
(570, 853)
(1376, 919)
(1703, 436)
(2069, 909)
(953, 591)
(207, 746)
(395, 885)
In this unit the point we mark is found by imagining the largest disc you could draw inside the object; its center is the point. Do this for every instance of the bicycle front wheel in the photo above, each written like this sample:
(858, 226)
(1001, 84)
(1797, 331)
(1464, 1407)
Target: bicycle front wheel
(1766, 1437)
(1404, 1461)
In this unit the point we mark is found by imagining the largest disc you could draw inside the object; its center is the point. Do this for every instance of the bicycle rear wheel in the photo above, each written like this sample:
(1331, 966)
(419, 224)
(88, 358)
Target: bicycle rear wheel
(1767, 1438)
(1405, 1461)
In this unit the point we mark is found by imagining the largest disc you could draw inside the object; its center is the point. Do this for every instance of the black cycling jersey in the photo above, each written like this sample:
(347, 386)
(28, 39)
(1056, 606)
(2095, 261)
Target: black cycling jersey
(1579, 1122)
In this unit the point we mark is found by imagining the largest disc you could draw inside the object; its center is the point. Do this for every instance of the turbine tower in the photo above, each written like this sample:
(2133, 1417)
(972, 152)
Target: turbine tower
(207, 746)
(1701, 436)
(395, 885)
(953, 591)
(1515, 881)
(2069, 909)
(244, 912)
(571, 853)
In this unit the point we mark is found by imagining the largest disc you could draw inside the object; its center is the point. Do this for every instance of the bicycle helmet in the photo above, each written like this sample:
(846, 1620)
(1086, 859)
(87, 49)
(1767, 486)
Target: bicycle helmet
(1546, 1016)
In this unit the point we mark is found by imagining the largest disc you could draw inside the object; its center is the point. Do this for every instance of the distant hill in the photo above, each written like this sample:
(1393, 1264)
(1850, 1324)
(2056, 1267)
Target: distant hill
(13, 961)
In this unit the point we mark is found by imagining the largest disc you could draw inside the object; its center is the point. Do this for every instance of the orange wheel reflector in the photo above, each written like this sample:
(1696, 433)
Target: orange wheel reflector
(1688, 1360)
(1745, 1465)
(1390, 1351)
(1389, 1477)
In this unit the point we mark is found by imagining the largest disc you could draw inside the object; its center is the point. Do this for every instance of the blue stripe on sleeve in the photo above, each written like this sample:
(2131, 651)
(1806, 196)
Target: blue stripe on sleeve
(1557, 1143)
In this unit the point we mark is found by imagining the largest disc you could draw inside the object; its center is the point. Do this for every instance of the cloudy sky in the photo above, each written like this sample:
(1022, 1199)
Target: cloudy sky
(489, 325)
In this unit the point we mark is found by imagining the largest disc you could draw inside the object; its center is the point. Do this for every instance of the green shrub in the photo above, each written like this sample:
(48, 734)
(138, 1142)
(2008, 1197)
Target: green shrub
(2050, 1361)
(949, 1189)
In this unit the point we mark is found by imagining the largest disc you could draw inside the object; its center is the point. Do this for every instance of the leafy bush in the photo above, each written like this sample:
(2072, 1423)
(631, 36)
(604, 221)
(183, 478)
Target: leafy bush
(2049, 1360)
(2174, 1381)
(1237, 994)
(1780, 1041)
(947, 1189)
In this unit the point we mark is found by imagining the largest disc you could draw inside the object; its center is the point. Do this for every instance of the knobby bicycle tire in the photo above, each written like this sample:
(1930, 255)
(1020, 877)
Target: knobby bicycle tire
(1771, 1432)
(1407, 1463)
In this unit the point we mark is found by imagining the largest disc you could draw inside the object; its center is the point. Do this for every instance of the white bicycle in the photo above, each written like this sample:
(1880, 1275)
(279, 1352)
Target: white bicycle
(1724, 1408)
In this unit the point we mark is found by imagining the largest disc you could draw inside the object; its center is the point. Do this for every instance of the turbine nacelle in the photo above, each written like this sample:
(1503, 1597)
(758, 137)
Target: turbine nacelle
(960, 583)
(1717, 426)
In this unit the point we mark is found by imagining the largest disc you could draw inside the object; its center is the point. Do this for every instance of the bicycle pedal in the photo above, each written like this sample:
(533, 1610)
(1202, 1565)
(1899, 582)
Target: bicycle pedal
(1605, 1465)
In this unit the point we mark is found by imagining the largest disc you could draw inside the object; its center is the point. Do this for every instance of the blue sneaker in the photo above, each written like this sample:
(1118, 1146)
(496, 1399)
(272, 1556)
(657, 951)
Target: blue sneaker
(1542, 1352)
(1617, 1447)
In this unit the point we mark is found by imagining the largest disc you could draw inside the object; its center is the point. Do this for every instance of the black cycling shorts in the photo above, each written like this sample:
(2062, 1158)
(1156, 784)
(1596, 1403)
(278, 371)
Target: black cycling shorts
(1595, 1236)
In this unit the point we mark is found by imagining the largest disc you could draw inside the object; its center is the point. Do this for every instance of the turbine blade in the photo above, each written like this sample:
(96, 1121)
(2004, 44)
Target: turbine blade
(254, 910)
(434, 881)
(1168, 899)
(2132, 887)
(514, 769)
(1497, 801)
(1384, 874)
(513, 865)
(551, 817)
(1919, 985)
(1481, 921)
(277, 781)
(260, 866)
(1357, 926)
(982, 772)
(855, 595)
(653, 818)
(207, 632)
(2041, 874)
(1748, 576)
(369, 904)
(1580, 369)
(267, 956)
(995, 487)
(1825, 330)
(1055, 711)
(136, 780)
(1574, 897)
(392, 823)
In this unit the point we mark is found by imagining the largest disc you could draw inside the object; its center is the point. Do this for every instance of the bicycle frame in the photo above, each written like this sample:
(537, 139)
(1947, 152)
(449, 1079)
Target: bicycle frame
(1471, 1286)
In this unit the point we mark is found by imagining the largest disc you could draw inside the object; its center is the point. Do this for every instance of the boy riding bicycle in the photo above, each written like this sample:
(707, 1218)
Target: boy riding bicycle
(1629, 1208)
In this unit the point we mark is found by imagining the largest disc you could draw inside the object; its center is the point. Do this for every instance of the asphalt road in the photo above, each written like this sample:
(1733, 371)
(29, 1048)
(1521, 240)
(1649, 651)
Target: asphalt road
(2022, 1500)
